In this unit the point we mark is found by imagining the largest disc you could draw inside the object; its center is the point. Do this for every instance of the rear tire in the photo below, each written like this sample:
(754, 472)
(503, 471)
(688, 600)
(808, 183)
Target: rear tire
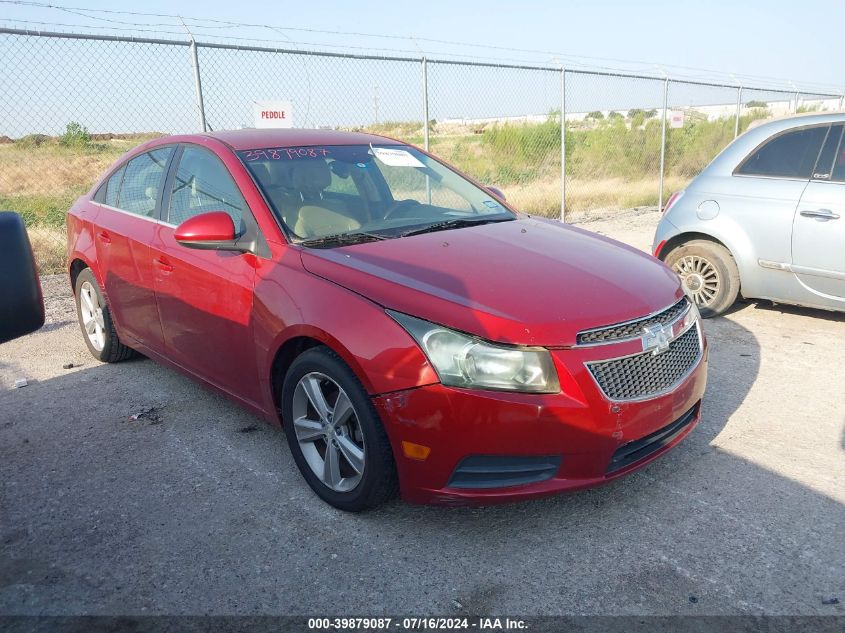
(708, 275)
(96, 321)
(335, 435)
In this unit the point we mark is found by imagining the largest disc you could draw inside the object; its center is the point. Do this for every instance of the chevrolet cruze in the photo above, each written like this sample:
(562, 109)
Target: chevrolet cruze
(407, 328)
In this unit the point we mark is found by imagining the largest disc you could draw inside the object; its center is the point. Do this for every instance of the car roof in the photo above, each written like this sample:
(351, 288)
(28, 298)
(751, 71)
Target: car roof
(797, 120)
(259, 139)
(738, 150)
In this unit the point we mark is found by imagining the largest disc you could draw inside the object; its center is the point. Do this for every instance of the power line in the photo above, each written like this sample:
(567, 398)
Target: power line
(566, 59)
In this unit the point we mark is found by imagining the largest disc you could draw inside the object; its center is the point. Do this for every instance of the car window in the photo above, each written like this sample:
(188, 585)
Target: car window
(142, 182)
(203, 184)
(789, 155)
(838, 172)
(408, 184)
(112, 187)
(380, 192)
(341, 182)
(824, 165)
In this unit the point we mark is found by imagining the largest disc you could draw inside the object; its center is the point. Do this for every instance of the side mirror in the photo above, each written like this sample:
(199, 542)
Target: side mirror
(212, 231)
(497, 192)
(22, 307)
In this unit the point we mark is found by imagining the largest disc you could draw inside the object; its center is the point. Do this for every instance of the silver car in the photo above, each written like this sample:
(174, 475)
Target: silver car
(764, 219)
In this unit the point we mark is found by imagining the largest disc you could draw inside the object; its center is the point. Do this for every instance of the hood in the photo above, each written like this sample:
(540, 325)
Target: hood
(527, 282)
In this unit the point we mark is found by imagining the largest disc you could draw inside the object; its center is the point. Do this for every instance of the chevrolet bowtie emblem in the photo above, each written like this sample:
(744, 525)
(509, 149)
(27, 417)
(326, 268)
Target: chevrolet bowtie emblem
(656, 338)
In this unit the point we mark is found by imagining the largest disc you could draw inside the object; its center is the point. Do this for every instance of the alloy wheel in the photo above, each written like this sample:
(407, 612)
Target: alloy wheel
(699, 278)
(91, 311)
(328, 432)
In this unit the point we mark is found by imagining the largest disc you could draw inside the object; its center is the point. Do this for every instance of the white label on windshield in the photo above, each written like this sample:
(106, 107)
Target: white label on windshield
(396, 157)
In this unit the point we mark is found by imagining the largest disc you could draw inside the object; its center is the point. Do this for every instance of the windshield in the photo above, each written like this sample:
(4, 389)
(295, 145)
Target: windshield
(340, 194)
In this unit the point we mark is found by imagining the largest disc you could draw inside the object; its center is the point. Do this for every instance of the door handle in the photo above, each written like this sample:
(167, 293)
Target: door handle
(163, 264)
(820, 214)
(104, 236)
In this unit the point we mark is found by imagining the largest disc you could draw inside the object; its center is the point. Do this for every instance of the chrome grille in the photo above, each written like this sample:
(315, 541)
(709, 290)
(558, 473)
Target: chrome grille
(646, 375)
(631, 329)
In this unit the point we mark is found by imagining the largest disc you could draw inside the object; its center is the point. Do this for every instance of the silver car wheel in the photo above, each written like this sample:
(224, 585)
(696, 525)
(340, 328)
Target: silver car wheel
(91, 312)
(328, 432)
(699, 278)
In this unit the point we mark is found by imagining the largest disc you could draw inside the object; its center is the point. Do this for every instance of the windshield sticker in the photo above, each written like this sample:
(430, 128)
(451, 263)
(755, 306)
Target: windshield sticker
(395, 157)
(286, 153)
(490, 204)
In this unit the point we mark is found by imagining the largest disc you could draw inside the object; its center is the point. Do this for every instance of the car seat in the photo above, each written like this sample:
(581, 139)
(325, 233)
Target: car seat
(317, 216)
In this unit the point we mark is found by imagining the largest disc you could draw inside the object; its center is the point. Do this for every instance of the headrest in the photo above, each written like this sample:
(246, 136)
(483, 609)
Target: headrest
(279, 173)
(311, 176)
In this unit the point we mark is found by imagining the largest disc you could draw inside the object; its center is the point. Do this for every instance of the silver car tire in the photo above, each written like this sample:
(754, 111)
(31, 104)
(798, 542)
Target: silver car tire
(708, 273)
(96, 322)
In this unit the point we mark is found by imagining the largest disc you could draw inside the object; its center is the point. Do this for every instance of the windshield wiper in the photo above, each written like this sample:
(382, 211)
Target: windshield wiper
(342, 239)
(455, 223)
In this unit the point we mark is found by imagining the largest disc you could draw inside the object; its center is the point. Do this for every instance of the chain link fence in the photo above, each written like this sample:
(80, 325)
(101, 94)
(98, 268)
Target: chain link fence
(72, 104)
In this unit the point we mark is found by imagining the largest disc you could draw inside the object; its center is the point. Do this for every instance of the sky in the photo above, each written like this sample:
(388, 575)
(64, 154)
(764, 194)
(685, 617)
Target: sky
(787, 41)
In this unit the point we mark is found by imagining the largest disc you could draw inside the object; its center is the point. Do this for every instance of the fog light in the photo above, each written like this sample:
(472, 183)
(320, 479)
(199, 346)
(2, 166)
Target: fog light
(415, 451)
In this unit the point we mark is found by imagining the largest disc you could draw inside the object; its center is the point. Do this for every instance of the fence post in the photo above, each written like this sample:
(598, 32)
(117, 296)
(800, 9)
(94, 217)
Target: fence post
(198, 84)
(425, 102)
(795, 109)
(563, 145)
(663, 143)
(738, 110)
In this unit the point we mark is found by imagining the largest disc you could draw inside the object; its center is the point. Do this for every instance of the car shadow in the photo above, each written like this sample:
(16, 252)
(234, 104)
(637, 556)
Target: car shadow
(782, 308)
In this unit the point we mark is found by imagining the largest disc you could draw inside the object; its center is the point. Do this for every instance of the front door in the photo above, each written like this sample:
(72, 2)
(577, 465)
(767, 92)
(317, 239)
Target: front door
(205, 297)
(818, 232)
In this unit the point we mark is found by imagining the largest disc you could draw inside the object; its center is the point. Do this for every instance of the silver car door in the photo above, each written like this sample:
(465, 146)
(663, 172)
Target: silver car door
(818, 232)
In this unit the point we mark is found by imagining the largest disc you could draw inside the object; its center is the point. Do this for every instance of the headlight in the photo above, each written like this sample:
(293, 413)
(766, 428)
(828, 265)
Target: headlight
(461, 360)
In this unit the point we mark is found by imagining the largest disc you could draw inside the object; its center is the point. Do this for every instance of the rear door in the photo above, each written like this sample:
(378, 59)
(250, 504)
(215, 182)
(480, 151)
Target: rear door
(125, 227)
(818, 235)
(205, 297)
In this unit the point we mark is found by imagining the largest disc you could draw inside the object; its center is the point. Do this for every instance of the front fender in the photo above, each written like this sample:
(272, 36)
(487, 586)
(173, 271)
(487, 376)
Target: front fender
(291, 302)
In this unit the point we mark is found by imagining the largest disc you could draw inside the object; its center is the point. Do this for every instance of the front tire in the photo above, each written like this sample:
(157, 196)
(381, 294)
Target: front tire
(334, 433)
(708, 275)
(96, 321)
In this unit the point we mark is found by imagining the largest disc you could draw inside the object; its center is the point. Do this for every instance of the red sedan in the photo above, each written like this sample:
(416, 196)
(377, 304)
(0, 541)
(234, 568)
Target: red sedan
(407, 328)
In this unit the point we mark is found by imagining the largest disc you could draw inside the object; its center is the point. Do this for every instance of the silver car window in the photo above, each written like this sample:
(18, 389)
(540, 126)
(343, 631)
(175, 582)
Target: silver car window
(788, 155)
(838, 172)
(824, 165)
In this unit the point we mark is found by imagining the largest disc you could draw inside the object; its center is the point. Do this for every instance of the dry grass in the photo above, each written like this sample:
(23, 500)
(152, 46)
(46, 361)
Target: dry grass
(589, 198)
(49, 244)
(50, 169)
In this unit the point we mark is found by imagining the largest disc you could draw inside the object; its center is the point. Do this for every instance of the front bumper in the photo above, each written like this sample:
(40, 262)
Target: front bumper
(580, 426)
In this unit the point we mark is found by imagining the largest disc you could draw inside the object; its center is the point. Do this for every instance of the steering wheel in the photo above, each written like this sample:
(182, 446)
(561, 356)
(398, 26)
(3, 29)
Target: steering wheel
(402, 203)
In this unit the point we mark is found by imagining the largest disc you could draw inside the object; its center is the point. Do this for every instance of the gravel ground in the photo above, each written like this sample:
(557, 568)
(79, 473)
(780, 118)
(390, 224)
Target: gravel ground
(196, 507)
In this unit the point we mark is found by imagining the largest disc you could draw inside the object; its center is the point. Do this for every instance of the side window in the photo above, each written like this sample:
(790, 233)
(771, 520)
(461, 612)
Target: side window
(113, 187)
(838, 172)
(824, 165)
(142, 182)
(789, 155)
(203, 184)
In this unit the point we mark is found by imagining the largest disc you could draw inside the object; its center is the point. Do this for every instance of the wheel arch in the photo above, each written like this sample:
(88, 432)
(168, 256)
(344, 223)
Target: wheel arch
(77, 266)
(300, 340)
(678, 240)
